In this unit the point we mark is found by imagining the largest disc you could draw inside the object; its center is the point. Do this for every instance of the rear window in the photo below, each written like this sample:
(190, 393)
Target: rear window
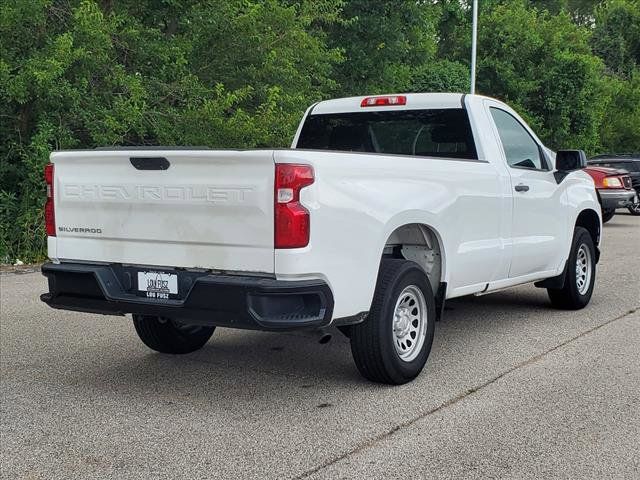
(431, 133)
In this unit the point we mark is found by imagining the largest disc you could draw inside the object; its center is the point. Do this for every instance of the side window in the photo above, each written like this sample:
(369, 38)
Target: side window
(520, 148)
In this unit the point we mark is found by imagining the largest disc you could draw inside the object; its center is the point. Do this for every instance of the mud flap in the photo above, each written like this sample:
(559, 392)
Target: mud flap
(441, 295)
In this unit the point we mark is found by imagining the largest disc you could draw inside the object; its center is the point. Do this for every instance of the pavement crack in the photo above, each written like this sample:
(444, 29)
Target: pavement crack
(452, 401)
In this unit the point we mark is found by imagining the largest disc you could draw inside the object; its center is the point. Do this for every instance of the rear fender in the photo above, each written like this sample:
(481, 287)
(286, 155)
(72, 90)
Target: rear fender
(424, 219)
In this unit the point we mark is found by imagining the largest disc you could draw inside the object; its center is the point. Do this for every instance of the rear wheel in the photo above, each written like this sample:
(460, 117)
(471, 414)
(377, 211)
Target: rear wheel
(166, 335)
(608, 214)
(581, 274)
(392, 345)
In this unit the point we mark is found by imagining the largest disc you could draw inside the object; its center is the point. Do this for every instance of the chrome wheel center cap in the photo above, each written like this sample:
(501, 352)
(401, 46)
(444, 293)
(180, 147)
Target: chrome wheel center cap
(401, 323)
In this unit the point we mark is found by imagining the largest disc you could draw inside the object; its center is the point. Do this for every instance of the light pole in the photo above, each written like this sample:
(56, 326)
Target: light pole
(474, 41)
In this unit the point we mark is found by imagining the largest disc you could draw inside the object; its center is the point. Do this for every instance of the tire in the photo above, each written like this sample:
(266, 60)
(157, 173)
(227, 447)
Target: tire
(635, 208)
(165, 335)
(608, 215)
(580, 276)
(384, 346)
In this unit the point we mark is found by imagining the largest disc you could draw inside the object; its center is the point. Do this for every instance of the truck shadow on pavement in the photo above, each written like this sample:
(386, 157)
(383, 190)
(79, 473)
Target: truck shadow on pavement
(241, 366)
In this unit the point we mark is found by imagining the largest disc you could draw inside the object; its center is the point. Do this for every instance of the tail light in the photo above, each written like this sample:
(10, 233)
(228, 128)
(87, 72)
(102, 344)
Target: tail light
(49, 213)
(291, 219)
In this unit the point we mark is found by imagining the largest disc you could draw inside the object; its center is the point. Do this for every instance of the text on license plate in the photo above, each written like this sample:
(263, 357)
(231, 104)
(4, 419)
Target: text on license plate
(157, 284)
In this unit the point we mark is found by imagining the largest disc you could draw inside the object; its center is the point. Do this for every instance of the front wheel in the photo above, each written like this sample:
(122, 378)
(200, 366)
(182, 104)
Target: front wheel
(581, 274)
(392, 345)
(634, 208)
(608, 214)
(166, 335)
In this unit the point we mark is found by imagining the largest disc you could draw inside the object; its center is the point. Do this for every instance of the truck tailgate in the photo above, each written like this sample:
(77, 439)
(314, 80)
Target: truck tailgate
(208, 209)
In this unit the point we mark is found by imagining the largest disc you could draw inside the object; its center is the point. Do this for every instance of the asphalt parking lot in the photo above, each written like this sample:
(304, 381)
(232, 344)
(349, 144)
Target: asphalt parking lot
(513, 389)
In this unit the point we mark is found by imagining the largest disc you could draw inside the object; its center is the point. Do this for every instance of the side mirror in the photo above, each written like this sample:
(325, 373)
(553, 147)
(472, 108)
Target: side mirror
(568, 161)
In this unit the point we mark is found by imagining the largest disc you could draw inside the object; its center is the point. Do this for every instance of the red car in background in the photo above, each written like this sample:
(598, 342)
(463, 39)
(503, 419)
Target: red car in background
(627, 161)
(614, 188)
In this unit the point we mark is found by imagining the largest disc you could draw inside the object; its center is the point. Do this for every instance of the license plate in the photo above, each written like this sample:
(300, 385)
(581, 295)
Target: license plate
(157, 284)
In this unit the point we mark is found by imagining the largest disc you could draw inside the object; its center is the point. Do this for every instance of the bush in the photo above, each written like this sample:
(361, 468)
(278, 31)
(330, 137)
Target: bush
(239, 74)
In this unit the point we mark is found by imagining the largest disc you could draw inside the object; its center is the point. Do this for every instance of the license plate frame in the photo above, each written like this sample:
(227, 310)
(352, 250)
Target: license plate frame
(157, 285)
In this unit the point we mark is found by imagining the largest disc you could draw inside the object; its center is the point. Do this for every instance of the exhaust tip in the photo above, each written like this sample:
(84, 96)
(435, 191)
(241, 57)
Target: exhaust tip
(323, 336)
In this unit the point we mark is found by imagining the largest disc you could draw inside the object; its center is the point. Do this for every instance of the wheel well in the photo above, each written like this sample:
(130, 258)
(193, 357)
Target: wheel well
(589, 219)
(418, 243)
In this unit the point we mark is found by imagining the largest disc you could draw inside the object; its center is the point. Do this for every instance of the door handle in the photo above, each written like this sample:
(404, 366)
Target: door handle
(521, 187)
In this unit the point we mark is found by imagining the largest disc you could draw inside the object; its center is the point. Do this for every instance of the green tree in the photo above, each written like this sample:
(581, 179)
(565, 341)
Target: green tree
(80, 74)
(542, 64)
(263, 49)
(581, 11)
(239, 73)
(382, 41)
(620, 130)
(616, 38)
(434, 76)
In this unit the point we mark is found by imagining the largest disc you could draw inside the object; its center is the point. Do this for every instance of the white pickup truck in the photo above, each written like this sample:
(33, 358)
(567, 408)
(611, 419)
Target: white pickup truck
(383, 208)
